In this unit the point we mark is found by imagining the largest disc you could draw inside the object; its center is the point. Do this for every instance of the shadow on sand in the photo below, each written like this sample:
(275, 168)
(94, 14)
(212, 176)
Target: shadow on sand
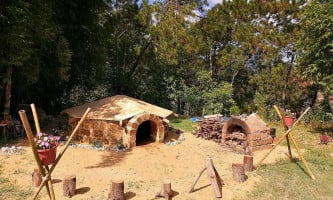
(110, 158)
(82, 190)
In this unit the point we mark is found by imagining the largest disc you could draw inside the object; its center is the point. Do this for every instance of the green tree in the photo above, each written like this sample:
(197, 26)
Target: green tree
(33, 50)
(175, 46)
(315, 46)
(247, 40)
(83, 24)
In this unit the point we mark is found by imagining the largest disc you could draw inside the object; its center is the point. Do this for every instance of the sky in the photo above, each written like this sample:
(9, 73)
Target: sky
(211, 2)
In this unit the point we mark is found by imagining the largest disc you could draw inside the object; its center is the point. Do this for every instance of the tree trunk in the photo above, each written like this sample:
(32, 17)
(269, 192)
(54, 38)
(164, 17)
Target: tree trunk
(248, 163)
(36, 178)
(8, 94)
(238, 172)
(117, 190)
(285, 84)
(69, 186)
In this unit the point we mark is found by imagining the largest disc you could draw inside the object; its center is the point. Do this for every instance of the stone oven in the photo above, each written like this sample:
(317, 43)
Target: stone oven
(246, 133)
(119, 120)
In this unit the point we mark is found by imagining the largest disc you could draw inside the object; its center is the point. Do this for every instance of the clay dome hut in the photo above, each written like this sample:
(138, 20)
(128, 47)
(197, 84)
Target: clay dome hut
(247, 132)
(119, 120)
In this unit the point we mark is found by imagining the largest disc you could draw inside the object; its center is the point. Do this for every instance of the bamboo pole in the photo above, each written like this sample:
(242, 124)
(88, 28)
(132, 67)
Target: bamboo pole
(38, 130)
(65, 148)
(28, 131)
(34, 113)
(302, 158)
(297, 148)
(285, 128)
(69, 139)
(283, 136)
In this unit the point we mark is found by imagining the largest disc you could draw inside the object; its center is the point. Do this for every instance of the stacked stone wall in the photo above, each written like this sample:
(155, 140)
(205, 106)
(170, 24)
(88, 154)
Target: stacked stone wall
(106, 133)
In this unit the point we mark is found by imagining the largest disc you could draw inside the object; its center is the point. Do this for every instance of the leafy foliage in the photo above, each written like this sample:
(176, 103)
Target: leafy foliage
(316, 44)
(236, 57)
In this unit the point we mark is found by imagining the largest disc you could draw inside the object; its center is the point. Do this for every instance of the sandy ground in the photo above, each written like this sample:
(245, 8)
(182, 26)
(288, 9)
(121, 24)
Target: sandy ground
(143, 169)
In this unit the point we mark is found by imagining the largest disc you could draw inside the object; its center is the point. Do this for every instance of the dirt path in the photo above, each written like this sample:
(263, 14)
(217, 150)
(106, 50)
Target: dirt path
(142, 169)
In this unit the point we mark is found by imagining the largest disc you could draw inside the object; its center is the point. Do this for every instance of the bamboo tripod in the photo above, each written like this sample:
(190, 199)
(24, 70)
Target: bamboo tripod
(288, 135)
(45, 170)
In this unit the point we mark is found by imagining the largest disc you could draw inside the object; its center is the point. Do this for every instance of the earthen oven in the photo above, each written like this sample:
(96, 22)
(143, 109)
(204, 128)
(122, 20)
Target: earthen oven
(246, 133)
(120, 120)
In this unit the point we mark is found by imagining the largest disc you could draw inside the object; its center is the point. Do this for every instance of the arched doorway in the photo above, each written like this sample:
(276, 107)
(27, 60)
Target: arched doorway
(144, 133)
(140, 126)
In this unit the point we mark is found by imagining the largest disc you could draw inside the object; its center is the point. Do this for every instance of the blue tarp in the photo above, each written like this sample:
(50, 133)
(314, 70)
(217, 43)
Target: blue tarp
(195, 119)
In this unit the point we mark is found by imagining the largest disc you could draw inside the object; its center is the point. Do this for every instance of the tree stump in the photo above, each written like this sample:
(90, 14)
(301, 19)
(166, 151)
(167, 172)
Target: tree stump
(248, 163)
(36, 178)
(238, 172)
(69, 186)
(117, 190)
(166, 191)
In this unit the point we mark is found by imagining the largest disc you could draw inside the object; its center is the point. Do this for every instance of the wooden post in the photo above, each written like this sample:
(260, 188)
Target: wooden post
(117, 190)
(238, 172)
(166, 190)
(248, 163)
(69, 186)
(36, 178)
(216, 180)
(196, 179)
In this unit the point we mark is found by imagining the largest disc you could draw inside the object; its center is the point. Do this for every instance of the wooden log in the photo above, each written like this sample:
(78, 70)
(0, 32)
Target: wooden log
(248, 163)
(238, 172)
(69, 186)
(166, 190)
(117, 190)
(36, 178)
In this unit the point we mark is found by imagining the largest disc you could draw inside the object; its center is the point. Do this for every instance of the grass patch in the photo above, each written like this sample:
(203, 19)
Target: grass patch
(286, 179)
(184, 124)
(11, 191)
(289, 180)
